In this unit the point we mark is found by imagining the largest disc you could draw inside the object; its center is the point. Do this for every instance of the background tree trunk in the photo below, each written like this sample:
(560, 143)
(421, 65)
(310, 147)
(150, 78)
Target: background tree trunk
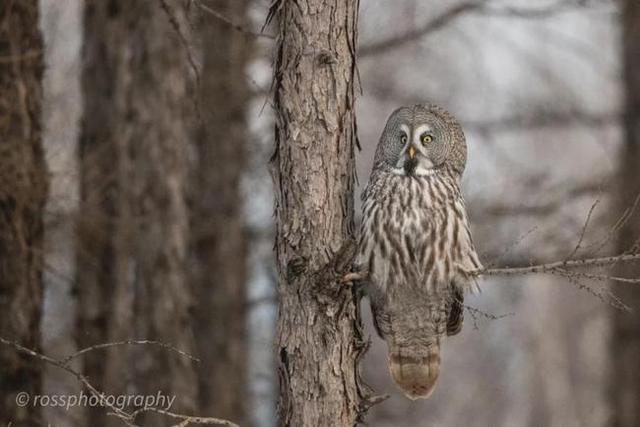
(218, 227)
(626, 326)
(23, 191)
(133, 222)
(318, 332)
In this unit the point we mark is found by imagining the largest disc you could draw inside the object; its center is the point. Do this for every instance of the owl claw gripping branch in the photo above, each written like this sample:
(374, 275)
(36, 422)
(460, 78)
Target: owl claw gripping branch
(415, 242)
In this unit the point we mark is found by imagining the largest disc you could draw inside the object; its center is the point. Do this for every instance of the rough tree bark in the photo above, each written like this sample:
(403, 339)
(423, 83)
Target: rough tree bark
(133, 221)
(218, 230)
(626, 326)
(318, 334)
(23, 191)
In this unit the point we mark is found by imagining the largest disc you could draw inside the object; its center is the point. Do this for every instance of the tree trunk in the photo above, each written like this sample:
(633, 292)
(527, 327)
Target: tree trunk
(626, 326)
(23, 191)
(318, 334)
(218, 228)
(133, 222)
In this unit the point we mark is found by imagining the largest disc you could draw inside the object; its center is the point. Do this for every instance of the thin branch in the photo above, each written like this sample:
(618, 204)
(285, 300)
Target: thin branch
(437, 23)
(584, 230)
(441, 21)
(551, 204)
(124, 416)
(556, 266)
(537, 119)
(232, 24)
(512, 246)
(601, 277)
(173, 20)
(186, 419)
(621, 222)
(532, 118)
(535, 13)
(60, 364)
(169, 347)
(605, 295)
(476, 313)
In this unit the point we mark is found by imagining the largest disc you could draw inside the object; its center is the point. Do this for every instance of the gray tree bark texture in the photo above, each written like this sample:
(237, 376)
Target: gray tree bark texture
(23, 192)
(319, 340)
(625, 349)
(133, 225)
(219, 235)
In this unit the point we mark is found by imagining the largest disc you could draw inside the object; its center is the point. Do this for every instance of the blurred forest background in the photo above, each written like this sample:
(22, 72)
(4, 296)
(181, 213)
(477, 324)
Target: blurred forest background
(157, 131)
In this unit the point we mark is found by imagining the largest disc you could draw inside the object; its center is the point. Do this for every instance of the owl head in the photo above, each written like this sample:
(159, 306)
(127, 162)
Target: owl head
(420, 140)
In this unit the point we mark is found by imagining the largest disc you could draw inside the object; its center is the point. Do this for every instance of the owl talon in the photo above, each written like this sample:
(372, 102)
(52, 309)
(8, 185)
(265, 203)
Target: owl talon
(349, 278)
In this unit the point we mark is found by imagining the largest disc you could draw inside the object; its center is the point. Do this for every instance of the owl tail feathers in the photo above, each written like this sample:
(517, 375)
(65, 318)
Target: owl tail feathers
(416, 376)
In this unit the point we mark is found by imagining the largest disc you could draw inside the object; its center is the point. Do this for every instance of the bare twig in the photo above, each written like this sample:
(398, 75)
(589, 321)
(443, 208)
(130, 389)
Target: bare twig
(584, 230)
(465, 8)
(552, 203)
(186, 419)
(437, 23)
(626, 215)
(602, 277)
(183, 39)
(169, 347)
(512, 246)
(128, 418)
(232, 24)
(545, 119)
(60, 364)
(477, 313)
(605, 295)
(553, 267)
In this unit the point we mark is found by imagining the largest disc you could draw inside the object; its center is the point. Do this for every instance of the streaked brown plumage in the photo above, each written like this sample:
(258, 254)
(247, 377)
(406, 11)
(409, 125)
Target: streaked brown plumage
(415, 242)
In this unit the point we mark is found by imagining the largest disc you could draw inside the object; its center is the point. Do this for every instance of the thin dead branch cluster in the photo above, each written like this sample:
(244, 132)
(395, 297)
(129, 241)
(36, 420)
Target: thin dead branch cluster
(463, 9)
(572, 269)
(128, 418)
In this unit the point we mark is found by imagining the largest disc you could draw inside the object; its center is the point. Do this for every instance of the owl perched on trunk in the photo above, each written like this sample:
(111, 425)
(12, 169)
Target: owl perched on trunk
(415, 241)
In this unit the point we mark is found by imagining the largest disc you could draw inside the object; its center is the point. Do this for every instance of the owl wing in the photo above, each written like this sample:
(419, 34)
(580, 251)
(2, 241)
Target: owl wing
(468, 260)
(456, 313)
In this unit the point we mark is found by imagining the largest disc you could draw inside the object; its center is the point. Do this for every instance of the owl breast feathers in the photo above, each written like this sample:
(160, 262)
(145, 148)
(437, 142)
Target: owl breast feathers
(415, 242)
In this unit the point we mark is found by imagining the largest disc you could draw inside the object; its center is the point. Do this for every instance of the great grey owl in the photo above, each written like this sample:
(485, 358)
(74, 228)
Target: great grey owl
(415, 242)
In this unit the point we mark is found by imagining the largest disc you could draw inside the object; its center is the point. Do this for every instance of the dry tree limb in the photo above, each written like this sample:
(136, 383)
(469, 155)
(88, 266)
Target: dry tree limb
(555, 267)
(186, 419)
(60, 364)
(173, 20)
(611, 233)
(584, 230)
(605, 295)
(169, 347)
(230, 23)
(476, 314)
(465, 8)
(435, 24)
(511, 247)
(127, 418)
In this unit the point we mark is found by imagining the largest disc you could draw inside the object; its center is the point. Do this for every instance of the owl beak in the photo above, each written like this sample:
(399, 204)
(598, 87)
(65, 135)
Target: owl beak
(412, 152)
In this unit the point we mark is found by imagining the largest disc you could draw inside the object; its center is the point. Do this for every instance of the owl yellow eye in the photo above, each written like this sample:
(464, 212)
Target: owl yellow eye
(403, 138)
(426, 139)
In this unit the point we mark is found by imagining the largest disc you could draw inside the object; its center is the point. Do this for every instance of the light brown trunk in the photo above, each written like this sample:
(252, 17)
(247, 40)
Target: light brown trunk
(318, 334)
(218, 228)
(133, 221)
(23, 191)
(626, 327)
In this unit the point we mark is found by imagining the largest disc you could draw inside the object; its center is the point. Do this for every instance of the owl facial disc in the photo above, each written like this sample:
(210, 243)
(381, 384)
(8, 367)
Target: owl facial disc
(414, 160)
